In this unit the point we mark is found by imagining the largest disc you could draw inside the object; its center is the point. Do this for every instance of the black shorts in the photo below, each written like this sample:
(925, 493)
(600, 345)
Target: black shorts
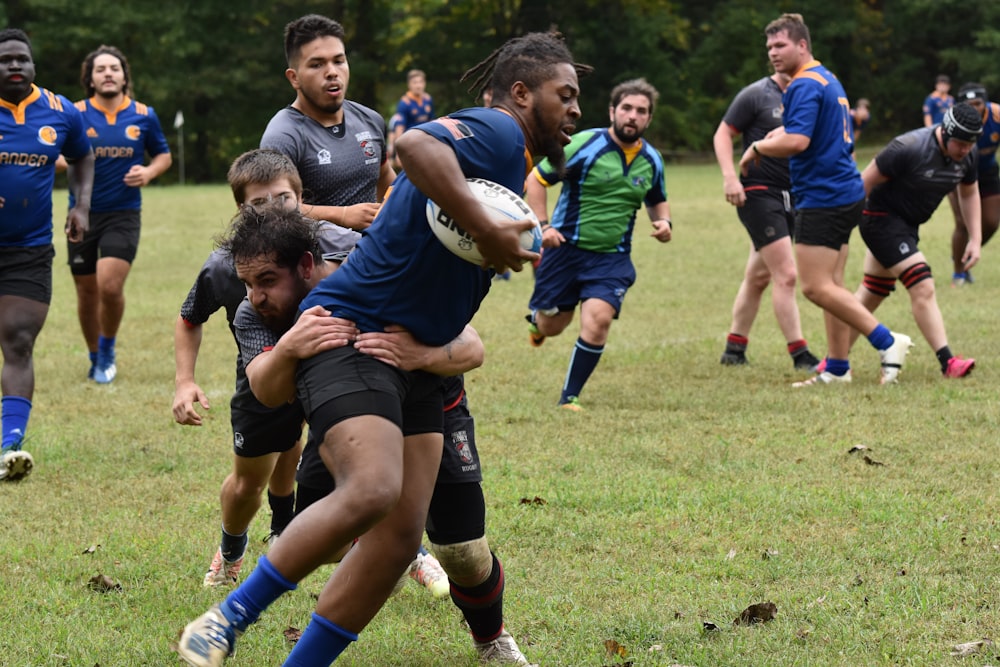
(767, 214)
(890, 238)
(989, 181)
(259, 433)
(111, 234)
(343, 383)
(26, 271)
(827, 227)
(459, 460)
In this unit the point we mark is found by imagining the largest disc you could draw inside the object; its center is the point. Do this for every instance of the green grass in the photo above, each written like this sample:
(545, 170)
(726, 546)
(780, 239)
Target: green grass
(684, 493)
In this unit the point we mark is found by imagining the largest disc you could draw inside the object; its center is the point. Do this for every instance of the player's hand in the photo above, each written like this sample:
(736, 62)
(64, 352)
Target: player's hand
(662, 231)
(971, 255)
(359, 216)
(733, 189)
(395, 346)
(77, 224)
(316, 331)
(552, 238)
(2, 201)
(137, 176)
(186, 394)
(500, 245)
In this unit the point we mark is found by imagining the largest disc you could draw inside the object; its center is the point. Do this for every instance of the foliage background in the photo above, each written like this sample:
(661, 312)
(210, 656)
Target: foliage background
(221, 62)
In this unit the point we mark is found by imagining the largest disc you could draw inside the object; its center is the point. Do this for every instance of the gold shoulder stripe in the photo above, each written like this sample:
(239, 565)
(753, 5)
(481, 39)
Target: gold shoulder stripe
(819, 78)
(81, 105)
(141, 109)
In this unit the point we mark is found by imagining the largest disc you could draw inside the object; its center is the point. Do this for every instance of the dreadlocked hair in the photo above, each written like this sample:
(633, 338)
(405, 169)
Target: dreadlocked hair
(274, 232)
(529, 59)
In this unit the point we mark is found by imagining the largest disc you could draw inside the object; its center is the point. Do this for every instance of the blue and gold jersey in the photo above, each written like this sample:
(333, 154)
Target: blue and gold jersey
(400, 273)
(824, 175)
(936, 104)
(603, 187)
(412, 111)
(121, 139)
(32, 135)
(990, 138)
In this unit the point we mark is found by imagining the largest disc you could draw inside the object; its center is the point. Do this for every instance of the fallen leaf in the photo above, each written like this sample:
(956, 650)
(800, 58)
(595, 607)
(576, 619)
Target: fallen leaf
(769, 553)
(971, 648)
(872, 462)
(292, 634)
(708, 626)
(91, 549)
(731, 555)
(614, 648)
(858, 580)
(533, 501)
(803, 633)
(678, 615)
(761, 612)
(901, 572)
(103, 584)
(857, 448)
(656, 648)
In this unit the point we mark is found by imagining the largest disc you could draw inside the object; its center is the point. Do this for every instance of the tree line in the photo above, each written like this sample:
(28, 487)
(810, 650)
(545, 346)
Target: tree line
(221, 63)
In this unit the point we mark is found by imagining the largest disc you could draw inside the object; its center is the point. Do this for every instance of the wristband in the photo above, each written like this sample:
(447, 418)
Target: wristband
(666, 220)
(755, 149)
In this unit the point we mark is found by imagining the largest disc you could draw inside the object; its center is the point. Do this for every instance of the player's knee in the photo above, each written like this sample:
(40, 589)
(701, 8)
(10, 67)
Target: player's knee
(467, 563)
(915, 275)
(881, 286)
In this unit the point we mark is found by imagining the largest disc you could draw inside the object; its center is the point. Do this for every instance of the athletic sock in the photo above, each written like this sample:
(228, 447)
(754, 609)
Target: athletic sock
(282, 511)
(881, 338)
(233, 546)
(582, 363)
(943, 356)
(838, 367)
(264, 585)
(736, 344)
(93, 357)
(106, 346)
(320, 644)
(14, 413)
(482, 605)
(796, 347)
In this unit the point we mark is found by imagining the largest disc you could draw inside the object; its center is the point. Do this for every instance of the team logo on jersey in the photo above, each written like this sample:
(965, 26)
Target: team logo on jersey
(639, 181)
(91, 133)
(323, 157)
(133, 132)
(368, 148)
(47, 135)
(457, 128)
(904, 248)
(461, 441)
(238, 440)
(776, 112)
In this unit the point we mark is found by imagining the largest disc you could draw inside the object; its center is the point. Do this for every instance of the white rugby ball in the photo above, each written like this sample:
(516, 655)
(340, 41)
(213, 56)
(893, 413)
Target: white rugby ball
(503, 203)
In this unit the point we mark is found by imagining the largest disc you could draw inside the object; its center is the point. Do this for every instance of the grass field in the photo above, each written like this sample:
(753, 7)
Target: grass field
(684, 493)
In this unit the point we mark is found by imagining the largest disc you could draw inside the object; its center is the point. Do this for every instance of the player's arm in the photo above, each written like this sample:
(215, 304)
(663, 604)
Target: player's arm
(140, 176)
(80, 174)
(357, 217)
(777, 143)
(536, 196)
(433, 168)
(272, 372)
(397, 347)
(386, 175)
(659, 216)
(968, 201)
(187, 343)
(872, 176)
(722, 142)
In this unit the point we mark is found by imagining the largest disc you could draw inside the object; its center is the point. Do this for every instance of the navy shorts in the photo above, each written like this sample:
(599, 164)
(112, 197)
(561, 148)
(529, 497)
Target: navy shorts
(342, 383)
(890, 238)
(827, 227)
(767, 214)
(459, 460)
(257, 433)
(568, 275)
(111, 234)
(989, 181)
(26, 271)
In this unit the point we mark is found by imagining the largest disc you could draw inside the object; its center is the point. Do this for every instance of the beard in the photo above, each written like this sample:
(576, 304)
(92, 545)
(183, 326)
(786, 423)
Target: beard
(627, 135)
(551, 147)
(325, 106)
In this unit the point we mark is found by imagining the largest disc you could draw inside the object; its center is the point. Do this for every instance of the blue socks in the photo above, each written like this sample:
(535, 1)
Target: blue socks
(14, 413)
(321, 643)
(838, 367)
(264, 585)
(880, 337)
(582, 363)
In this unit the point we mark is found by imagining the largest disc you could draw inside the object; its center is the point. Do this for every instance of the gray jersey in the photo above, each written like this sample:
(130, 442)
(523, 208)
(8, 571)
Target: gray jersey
(339, 165)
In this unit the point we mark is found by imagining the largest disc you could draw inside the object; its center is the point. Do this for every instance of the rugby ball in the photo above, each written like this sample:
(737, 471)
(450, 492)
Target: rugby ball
(502, 203)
